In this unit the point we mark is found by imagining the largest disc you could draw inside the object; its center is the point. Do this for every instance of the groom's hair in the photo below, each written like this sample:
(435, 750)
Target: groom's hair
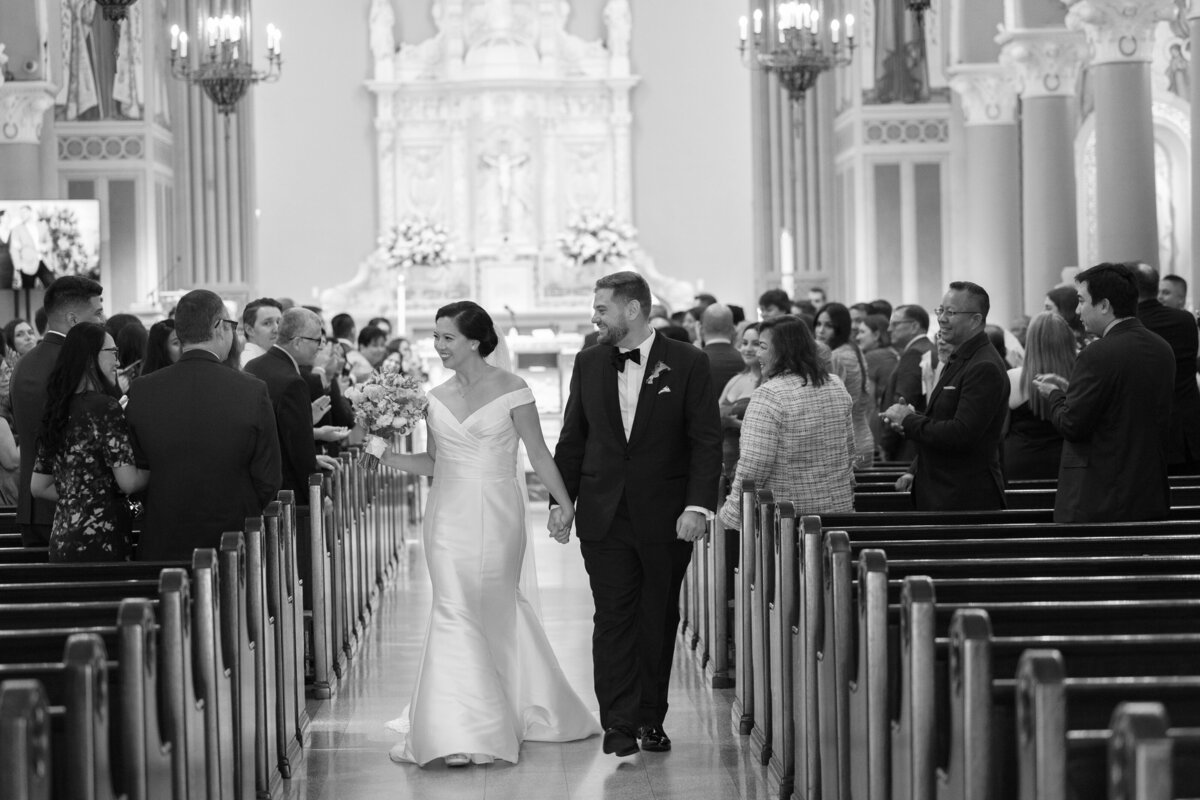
(627, 286)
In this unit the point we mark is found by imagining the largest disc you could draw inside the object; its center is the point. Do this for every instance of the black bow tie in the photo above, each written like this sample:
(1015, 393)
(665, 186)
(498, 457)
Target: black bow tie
(619, 358)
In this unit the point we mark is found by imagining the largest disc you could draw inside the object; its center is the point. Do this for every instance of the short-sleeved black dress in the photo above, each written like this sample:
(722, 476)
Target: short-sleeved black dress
(91, 519)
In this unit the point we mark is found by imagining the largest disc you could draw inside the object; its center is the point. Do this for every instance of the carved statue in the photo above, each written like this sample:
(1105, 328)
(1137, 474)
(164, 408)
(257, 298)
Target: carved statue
(3, 63)
(619, 20)
(383, 35)
(505, 165)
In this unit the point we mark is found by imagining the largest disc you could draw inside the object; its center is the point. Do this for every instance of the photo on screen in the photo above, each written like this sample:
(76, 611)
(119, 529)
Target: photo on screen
(41, 240)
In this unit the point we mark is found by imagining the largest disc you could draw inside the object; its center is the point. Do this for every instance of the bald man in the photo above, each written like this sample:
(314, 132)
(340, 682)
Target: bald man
(724, 361)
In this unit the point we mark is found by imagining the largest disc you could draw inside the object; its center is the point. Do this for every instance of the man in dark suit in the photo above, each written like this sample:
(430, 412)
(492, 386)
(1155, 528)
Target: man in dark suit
(957, 466)
(299, 339)
(1115, 412)
(1178, 328)
(909, 329)
(206, 433)
(724, 360)
(640, 451)
(70, 300)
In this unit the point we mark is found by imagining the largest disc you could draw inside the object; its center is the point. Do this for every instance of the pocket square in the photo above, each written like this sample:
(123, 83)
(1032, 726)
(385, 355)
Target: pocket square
(949, 388)
(664, 390)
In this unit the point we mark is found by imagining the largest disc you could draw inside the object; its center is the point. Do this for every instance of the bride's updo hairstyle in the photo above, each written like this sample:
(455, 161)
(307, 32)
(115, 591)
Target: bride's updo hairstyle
(472, 322)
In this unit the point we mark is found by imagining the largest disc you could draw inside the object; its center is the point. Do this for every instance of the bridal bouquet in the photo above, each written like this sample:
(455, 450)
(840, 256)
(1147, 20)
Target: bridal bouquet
(415, 242)
(597, 238)
(386, 404)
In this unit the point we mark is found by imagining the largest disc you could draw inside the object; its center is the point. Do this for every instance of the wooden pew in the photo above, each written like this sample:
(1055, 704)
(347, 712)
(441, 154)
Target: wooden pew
(317, 583)
(1145, 753)
(24, 741)
(743, 708)
(293, 593)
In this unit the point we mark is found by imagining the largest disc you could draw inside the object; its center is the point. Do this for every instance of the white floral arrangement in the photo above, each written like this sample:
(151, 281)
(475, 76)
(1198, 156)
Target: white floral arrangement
(386, 404)
(415, 242)
(594, 237)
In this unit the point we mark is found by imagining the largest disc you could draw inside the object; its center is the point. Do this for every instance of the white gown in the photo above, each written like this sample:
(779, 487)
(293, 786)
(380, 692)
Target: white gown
(488, 679)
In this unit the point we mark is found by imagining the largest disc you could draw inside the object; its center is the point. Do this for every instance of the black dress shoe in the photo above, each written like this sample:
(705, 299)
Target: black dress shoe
(620, 741)
(655, 739)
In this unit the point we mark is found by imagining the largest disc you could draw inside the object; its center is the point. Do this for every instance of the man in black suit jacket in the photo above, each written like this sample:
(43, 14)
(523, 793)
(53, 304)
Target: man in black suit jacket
(70, 300)
(1178, 328)
(640, 451)
(1114, 414)
(909, 329)
(299, 339)
(206, 433)
(957, 466)
(724, 360)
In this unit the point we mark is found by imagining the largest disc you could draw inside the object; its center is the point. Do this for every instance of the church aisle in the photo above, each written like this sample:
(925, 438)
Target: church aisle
(347, 758)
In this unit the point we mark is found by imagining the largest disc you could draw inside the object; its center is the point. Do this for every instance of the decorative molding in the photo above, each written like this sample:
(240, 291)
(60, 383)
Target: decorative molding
(1044, 62)
(23, 107)
(886, 132)
(117, 147)
(1120, 31)
(988, 92)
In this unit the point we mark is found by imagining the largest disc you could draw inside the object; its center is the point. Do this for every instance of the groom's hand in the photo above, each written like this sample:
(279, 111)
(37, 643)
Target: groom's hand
(560, 524)
(690, 526)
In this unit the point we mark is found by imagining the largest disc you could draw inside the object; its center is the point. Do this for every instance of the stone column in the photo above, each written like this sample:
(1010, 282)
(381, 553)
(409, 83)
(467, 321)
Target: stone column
(762, 169)
(1121, 33)
(23, 107)
(993, 204)
(1045, 65)
(1194, 26)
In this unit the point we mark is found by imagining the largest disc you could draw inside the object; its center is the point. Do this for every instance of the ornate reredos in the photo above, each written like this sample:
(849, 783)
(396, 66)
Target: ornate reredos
(501, 126)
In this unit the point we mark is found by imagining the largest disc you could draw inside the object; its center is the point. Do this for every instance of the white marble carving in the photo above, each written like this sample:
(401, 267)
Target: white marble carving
(23, 106)
(988, 91)
(1045, 62)
(1119, 30)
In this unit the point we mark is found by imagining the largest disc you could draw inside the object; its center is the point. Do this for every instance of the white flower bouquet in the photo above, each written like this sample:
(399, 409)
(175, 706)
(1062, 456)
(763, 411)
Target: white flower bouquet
(594, 237)
(386, 404)
(415, 242)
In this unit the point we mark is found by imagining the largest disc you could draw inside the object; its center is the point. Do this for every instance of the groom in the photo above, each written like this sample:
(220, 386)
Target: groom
(640, 451)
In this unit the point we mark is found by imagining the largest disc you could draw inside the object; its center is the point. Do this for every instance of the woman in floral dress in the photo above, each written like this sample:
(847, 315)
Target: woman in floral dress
(85, 457)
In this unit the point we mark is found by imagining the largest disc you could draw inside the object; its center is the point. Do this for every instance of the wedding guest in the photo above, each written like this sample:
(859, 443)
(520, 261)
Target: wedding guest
(1064, 301)
(774, 303)
(1172, 291)
(260, 327)
(1019, 327)
(717, 330)
(70, 300)
(131, 351)
(908, 328)
(162, 347)
(85, 460)
(382, 324)
(880, 306)
(875, 344)
(1033, 446)
(20, 338)
(372, 343)
(859, 312)
(797, 439)
(116, 322)
(206, 433)
(833, 330)
(735, 396)
(816, 296)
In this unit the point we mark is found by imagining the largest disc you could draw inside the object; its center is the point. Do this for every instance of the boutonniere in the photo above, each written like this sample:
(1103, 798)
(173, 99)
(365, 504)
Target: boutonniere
(659, 369)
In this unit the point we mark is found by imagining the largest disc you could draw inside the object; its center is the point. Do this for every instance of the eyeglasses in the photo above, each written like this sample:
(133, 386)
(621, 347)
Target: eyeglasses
(232, 323)
(940, 312)
(320, 342)
(112, 350)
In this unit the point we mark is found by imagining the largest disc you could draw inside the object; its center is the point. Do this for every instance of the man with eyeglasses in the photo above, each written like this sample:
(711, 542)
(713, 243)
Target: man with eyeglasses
(280, 368)
(957, 467)
(908, 328)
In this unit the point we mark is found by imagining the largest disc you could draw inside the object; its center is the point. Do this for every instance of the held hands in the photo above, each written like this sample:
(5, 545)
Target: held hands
(559, 525)
(1048, 382)
(690, 526)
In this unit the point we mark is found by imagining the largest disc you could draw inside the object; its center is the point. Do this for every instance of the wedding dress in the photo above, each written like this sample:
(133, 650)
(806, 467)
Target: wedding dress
(488, 679)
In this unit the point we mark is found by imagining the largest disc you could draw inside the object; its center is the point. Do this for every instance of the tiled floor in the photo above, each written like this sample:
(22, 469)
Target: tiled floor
(348, 759)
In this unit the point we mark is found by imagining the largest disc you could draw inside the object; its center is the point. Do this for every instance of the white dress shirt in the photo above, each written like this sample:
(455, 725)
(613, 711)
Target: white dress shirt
(250, 352)
(629, 384)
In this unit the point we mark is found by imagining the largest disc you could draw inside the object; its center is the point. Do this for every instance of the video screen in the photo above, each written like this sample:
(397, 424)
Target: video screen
(41, 240)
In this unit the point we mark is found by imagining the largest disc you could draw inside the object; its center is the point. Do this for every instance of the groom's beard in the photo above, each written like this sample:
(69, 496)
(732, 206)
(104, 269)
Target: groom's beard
(611, 334)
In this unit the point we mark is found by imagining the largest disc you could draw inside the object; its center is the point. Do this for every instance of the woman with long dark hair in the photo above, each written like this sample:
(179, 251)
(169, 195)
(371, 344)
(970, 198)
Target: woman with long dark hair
(798, 434)
(162, 347)
(834, 330)
(84, 452)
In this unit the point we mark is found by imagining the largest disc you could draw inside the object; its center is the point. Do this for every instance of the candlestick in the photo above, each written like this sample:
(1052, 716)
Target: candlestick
(757, 21)
(183, 42)
(174, 38)
(849, 26)
(743, 24)
(833, 31)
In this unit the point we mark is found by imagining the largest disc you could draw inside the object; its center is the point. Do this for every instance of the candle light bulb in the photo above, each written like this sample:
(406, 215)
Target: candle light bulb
(833, 31)
(816, 16)
(174, 38)
(743, 27)
(849, 26)
(183, 41)
(757, 21)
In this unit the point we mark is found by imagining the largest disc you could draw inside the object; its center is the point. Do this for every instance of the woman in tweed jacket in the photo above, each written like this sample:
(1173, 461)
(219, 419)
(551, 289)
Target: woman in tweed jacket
(798, 435)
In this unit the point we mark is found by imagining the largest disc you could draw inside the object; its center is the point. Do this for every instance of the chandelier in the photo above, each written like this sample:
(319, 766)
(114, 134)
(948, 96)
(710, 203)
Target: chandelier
(224, 69)
(114, 10)
(804, 49)
(918, 8)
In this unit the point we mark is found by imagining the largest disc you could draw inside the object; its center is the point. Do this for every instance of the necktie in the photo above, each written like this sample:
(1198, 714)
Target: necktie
(619, 358)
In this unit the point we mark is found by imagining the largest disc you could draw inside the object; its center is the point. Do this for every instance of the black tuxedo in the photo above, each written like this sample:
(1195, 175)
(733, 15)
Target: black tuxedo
(207, 435)
(905, 382)
(958, 436)
(1115, 420)
(293, 416)
(1178, 328)
(724, 361)
(28, 391)
(629, 495)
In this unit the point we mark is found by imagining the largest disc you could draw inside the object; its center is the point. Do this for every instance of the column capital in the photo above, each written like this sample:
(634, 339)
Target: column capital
(1119, 31)
(1045, 62)
(23, 105)
(989, 94)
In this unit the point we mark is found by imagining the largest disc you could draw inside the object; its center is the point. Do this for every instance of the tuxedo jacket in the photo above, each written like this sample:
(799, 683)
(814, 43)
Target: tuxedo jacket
(207, 435)
(29, 380)
(672, 458)
(1115, 421)
(958, 437)
(293, 416)
(1178, 328)
(724, 361)
(905, 381)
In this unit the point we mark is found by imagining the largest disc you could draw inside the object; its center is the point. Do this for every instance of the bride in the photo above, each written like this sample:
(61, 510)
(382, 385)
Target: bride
(488, 679)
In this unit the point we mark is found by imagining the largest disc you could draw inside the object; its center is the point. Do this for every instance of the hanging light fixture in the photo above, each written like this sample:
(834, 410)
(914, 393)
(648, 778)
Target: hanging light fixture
(114, 10)
(918, 8)
(223, 68)
(806, 46)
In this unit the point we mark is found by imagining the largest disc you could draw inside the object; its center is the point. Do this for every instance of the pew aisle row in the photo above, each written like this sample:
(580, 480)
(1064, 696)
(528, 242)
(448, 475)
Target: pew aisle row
(188, 681)
(902, 655)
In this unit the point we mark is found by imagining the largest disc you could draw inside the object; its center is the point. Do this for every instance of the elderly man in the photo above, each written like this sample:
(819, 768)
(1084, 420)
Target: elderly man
(260, 327)
(299, 340)
(957, 466)
(909, 329)
(207, 435)
(1115, 412)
